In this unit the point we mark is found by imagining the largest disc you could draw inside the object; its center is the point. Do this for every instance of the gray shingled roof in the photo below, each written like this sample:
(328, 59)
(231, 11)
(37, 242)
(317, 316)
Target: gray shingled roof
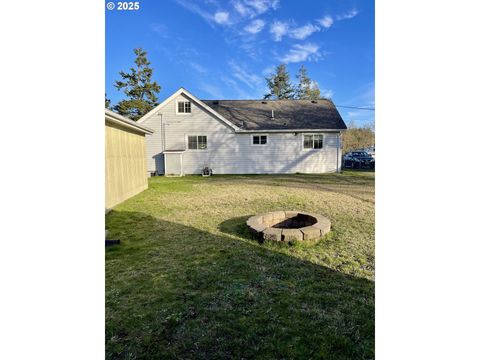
(288, 114)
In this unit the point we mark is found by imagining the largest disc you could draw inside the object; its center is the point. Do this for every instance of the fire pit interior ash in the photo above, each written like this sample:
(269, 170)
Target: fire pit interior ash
(288, 226)
(296, 222)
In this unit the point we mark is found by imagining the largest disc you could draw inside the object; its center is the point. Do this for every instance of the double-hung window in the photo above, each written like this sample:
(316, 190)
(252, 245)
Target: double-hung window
(312, 141)
(184, 107)
(259, 139)
(197, 142)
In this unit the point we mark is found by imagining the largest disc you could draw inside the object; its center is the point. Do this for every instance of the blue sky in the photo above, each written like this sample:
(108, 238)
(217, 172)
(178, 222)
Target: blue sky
(224, 49)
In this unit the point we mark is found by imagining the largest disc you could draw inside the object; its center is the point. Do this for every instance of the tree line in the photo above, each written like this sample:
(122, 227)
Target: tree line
(141, 90)
(280, 87)
(358, 137)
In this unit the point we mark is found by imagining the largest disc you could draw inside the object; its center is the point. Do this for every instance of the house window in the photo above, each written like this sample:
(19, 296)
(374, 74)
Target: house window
(197, 142)
(184, 107)
(313, 141)
(259, 139)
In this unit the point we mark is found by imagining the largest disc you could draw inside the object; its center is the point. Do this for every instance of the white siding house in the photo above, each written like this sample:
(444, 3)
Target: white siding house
(242, 137)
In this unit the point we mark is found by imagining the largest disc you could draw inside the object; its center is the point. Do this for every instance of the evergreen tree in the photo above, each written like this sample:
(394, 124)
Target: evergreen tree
(279, 84)
(307, 89)
(137, 85)
(107, 102)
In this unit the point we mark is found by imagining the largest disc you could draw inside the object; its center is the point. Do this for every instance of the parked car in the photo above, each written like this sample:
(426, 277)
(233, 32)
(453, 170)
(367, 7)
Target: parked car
(358, 160)
(370, 151)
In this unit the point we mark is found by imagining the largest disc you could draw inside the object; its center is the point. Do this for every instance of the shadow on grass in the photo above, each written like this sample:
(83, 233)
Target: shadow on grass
(238, 227)
(177, 292)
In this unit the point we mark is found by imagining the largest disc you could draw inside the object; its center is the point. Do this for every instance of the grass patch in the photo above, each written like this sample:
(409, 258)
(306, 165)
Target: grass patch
(189, 282)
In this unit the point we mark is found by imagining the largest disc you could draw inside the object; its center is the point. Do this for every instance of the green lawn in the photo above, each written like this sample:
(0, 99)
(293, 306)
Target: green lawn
(189, 282)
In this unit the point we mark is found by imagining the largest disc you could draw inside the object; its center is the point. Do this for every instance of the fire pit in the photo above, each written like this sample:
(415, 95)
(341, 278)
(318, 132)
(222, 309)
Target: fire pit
(288, 226)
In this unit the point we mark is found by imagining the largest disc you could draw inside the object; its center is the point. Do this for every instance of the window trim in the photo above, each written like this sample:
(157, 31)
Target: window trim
(259, 144)
(312, 149)
(177, 101)
(197, 149)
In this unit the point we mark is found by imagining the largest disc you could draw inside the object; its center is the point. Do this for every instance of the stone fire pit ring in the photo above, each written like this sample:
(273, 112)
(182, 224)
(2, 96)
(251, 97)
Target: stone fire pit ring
(288, 226)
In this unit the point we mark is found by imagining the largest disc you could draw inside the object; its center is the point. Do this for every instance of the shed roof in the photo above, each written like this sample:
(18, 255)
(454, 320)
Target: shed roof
(287, 114)
(121, 120)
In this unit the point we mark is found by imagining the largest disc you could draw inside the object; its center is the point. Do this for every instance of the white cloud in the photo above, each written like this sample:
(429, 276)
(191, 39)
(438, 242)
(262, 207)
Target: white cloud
(212, 90)
(303, 32)
(261, 6)
(190, 6)
(241, 93)
(242, 9)
(251, 48)
(301, 52)
(365, 96)
(326, 93)
(278, 29)
(228, 81)
(326, 21)
(159, 29)
(252, 8)
(197, 67)
(255, 26)
(268, 70)
(247, 77)
(221, 17)
(352, 13)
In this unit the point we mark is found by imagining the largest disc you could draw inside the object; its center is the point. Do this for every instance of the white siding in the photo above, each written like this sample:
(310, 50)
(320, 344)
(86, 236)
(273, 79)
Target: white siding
(233, 153)
(154, 145)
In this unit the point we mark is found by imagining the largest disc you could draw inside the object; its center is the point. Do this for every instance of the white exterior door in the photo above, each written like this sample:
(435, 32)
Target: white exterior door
(173, 164)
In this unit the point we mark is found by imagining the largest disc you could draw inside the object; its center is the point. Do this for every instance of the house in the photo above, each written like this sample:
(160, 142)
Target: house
(243, 136)
(125, 158)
